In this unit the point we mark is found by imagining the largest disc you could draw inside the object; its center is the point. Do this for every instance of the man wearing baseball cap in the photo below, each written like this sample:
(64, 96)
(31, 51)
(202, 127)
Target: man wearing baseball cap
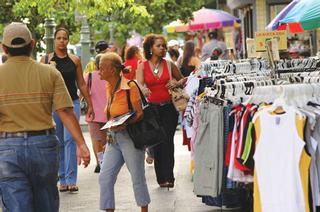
(30, 93)
(101, 47)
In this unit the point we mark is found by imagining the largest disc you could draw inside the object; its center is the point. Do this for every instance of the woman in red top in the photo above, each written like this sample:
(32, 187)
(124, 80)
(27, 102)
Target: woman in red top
(133, 58)
(155, 78)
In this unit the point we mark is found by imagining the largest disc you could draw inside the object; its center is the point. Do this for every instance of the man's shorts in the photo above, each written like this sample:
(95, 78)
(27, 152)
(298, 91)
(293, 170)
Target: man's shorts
(95, 132)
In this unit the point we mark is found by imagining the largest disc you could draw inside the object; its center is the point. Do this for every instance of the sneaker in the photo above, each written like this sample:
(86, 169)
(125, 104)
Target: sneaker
(97, 169)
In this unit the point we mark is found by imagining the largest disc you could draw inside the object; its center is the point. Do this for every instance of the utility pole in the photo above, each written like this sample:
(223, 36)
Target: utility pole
(85, 42)
(49, 26)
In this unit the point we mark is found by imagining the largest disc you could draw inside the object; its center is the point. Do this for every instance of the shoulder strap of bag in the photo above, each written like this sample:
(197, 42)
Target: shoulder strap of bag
(46, 59)
(89, 83)
(129, 101)
(169, 68)
(89, 80)
(112, 96)
(142, 97)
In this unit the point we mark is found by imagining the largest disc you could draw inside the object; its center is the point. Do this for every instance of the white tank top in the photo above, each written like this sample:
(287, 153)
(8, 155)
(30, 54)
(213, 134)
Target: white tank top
(277, 159)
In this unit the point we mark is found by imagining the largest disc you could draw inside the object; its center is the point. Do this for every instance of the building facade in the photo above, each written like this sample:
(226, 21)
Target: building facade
(255, 14)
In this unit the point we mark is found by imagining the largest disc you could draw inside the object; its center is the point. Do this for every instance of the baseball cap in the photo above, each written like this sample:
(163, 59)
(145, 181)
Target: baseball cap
(172, 43)
(14, 31)
(101, 46)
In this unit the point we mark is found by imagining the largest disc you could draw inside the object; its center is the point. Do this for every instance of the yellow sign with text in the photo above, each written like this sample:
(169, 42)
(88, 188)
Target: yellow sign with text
(262, 37)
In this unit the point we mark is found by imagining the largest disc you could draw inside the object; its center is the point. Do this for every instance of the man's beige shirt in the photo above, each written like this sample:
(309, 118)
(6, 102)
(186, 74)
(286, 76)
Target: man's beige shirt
(29, 93)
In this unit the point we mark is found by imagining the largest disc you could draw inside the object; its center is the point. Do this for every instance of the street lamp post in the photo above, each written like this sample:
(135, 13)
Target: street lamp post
(111, 33)
(85, 42)
(49, 25)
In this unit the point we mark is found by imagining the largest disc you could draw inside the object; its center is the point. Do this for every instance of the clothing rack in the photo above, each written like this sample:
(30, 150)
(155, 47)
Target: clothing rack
(296, 83)
(212, 68)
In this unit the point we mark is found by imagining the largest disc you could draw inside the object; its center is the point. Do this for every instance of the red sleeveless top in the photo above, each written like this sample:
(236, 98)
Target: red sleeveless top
(157, 86)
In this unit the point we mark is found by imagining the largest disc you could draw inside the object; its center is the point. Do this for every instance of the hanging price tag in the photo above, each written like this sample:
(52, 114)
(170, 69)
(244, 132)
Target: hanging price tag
(229, 40)
(251, 48)
(275, 49)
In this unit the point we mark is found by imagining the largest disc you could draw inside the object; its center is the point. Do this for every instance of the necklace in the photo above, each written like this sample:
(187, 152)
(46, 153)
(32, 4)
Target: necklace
(156, 68)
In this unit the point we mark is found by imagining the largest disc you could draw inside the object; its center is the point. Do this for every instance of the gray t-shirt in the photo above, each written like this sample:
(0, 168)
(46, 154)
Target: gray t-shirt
(208, 48)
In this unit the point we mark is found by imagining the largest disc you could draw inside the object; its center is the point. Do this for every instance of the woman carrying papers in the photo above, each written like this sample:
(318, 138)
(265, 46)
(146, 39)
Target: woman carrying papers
(120, 147)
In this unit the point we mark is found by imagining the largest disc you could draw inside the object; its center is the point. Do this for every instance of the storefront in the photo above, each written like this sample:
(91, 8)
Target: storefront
(256, 14)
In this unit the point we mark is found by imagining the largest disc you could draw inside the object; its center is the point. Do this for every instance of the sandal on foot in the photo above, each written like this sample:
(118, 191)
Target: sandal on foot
(63, 188)
(170, 185)
(73, 188)
(149, 160)
(164, 185)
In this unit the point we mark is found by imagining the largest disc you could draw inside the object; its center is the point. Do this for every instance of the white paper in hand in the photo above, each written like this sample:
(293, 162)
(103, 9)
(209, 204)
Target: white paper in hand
(117, 121)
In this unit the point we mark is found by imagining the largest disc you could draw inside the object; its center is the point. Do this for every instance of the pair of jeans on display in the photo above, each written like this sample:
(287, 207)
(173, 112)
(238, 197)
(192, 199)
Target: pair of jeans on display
(28, 174)
(68, 167)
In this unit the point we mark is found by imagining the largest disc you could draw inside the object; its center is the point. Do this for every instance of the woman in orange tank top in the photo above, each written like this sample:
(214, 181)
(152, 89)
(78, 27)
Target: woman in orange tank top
(156, 76)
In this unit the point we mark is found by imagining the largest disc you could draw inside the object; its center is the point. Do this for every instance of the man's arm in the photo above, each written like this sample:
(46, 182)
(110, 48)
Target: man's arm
(70, 121)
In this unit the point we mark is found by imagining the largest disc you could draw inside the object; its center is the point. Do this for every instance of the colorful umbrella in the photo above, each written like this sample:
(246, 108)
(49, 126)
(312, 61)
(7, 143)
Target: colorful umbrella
(273, 25)
(205, 19)
(211, 19)
(304, 15)
(176, 26)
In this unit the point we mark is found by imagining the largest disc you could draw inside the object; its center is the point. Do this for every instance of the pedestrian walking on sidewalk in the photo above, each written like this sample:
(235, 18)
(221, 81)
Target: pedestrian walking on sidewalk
(29, 148)
(120, 148)
(97, 88)
(188, 62)
(155, 78)
(133, 58)
(213, 43)
(100, 48)
(69, 66)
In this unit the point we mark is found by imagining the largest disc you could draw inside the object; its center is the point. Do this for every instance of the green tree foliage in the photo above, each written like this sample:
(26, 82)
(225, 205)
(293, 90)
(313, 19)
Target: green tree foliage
(123, 16)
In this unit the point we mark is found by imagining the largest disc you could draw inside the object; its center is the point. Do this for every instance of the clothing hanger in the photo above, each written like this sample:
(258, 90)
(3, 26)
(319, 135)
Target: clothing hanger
(280, 102)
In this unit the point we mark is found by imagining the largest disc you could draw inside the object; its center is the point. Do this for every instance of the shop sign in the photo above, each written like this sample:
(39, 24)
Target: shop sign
(262, 37)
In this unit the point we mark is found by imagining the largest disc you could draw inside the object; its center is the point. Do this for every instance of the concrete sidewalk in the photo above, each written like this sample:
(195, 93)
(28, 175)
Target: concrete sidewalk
(178, 199)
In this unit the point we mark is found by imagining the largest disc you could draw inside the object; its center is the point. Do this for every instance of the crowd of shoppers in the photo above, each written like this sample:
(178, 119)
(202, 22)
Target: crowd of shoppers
(42, 92)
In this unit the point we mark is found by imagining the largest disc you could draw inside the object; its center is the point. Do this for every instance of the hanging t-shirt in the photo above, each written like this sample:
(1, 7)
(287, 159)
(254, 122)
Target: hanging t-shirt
(281, 164)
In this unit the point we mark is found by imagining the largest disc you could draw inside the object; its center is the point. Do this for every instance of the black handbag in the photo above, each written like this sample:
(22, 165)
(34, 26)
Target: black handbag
(149, 131)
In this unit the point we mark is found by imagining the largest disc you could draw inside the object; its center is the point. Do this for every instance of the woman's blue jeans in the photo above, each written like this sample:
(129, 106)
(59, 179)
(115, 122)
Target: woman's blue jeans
(68, 167)
(118, 153)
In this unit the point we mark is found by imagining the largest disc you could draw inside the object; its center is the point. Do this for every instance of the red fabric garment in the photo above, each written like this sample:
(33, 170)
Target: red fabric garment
(186, 140)
(236, 112)
(240, 139)
(228, 151)
(157, 85)
(134, 65)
